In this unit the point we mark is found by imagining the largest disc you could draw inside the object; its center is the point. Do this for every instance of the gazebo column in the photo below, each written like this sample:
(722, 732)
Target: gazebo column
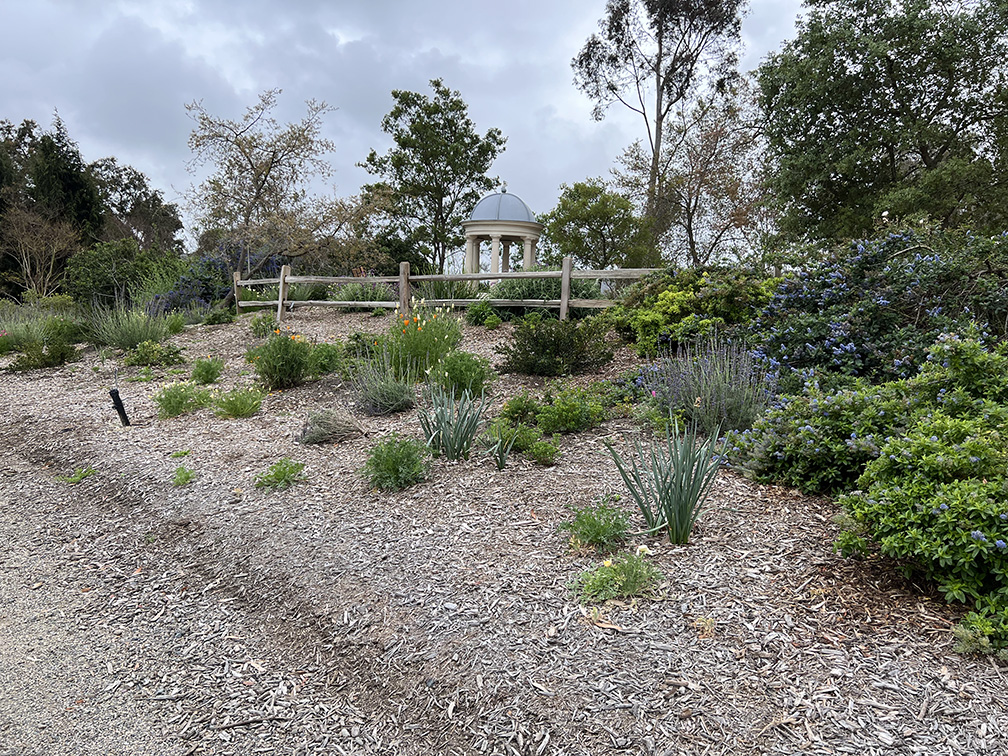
(472, 255)
(495, 243)
(528, 261)
(506, 258)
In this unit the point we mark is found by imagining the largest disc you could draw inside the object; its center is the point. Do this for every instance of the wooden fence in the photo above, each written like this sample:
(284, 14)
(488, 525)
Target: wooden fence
(405, 281)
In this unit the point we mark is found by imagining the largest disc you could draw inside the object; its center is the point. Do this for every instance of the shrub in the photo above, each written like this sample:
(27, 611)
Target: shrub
(239, 402)
(328, 427)
(207, 371)
(556, 347)
(572, 410)
(39, 355)
(219, 316)
(283, 361)
(716, 384)
(522, 436)
(543, 453)
(325, 358)
(623, 577)
(419, 341)
(601, 527)
(396, 463)
(380, 388)
(492, 323)
(673, 308)
(126, 328)
(523, 408)
(263, 324)
(461, 371)
(670, 482)
(874, 310)
(282, 474)
(177, 398)
(450, 424)
(478, 312)
(149, 353)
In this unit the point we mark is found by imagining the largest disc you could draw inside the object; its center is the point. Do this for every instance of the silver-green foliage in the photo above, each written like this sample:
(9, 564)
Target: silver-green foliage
(450, 424)
(670, 481)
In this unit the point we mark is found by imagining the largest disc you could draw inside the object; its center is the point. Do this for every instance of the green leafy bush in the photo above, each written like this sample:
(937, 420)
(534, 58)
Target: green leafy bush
(715, 384)
(461, 371)
(283, 362)
(326, 357)
(556, 347)
(238, 402)
(572, 410)
(282, 474)
(396, 463)
(673, 308)
(623, 577)
(543, 452)
(492, 323)
(219, 316)
(207, 371)
(175, 399)
(478, 312)
(38, 355)
(450, 424)
(523, 408)
(149, 353)
(601, 527)
(874, 310)
(670, 482)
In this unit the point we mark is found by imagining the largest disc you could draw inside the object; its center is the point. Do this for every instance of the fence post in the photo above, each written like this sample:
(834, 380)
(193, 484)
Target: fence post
(237, 291)
(404, 288)
(282, 294)
(565, 287)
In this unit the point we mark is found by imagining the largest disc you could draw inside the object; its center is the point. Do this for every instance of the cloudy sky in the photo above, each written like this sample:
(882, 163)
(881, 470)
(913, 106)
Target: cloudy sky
(120, 72)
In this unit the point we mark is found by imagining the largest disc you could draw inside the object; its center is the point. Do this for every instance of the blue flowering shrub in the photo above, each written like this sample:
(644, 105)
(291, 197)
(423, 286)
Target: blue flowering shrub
(924, 463)
(673, 308)
(873, 310)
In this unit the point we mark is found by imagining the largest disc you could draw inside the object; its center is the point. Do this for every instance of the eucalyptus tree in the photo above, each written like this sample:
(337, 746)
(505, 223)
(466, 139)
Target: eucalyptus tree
(648, 56)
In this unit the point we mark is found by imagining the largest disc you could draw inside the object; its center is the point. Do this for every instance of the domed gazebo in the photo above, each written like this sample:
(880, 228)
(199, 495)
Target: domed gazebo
(502, 218)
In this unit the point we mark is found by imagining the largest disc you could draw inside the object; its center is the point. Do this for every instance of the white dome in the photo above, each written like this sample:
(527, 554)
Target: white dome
(502, 206)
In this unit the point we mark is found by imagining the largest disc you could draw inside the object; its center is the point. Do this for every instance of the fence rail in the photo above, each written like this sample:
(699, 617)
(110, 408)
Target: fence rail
(405, 281)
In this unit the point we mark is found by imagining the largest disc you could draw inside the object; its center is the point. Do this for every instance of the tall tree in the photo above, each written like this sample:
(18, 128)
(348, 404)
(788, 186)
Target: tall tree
(889, 108)
(710, 185)
(134, 209)
(647, 57)
(595, 226)
(437, 169)
(258, 192)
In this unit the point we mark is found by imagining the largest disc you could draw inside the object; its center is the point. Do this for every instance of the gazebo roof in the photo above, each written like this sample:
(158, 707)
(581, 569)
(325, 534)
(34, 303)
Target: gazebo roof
(504, 207)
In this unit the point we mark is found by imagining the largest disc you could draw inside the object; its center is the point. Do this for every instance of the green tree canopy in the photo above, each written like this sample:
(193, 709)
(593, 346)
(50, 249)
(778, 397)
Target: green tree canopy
(436, 172)
(596, 227)
(879, 108)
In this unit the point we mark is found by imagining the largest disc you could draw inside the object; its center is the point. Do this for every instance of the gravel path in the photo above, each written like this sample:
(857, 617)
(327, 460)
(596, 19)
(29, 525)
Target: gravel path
(217, 618)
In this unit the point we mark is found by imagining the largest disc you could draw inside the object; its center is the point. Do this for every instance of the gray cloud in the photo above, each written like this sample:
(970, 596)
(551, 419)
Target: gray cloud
(121, 73)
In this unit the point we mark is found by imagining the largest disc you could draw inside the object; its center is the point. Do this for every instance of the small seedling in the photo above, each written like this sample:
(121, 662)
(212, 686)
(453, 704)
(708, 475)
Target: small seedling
(282, 474)
(183, 475)
(179, 454)
(77, 476)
